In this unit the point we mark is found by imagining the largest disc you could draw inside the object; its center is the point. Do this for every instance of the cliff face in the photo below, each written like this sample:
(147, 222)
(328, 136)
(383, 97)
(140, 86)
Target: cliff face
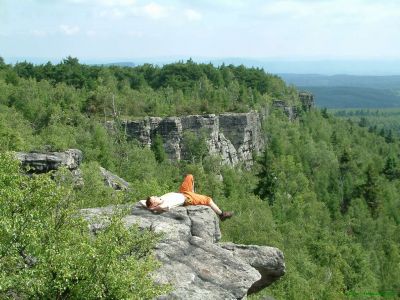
(232, 136)
(292, 112)
(235, 137)
(193, 261)
(307, 100)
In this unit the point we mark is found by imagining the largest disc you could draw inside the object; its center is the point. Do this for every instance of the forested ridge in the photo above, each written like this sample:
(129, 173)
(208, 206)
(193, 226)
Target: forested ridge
(324, 190)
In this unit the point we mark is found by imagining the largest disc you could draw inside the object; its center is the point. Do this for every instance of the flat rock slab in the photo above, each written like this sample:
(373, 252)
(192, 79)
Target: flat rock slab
(40, 162)
(193, 261)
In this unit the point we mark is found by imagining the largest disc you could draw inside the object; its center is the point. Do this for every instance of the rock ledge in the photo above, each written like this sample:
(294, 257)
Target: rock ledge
(193, 261)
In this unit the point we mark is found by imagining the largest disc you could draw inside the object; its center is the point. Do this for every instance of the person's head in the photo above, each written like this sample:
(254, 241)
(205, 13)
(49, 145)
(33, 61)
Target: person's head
(152, 201)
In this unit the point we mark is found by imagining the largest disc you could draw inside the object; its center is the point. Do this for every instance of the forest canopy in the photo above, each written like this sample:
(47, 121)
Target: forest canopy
(324, 190)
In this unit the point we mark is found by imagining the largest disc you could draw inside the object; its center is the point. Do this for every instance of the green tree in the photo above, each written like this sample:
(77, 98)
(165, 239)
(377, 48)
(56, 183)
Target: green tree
(267, 184)
(194, 146)
(47, 251)
(370, 190)
(2, 63)
(157, 147)
(391, 170)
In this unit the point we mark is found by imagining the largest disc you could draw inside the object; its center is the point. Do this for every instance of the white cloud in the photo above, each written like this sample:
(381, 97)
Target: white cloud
(118, 2)
(116, 10)
(155, 11)
(114, 13)
(193, 15)
(336, 11)
(69, 30)
(110, 3)
(77, 1)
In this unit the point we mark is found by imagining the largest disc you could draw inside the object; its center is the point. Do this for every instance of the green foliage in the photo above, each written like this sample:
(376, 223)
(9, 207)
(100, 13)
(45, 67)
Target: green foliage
(91, 190)
(15, 131)
(384, 121)
(47, 252)
(158, 148)
(194, 146)
(325, 190)
(333, 186)
(173, 89)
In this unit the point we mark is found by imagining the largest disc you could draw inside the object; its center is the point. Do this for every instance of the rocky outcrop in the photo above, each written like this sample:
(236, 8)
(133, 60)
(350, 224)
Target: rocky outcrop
(307, 100)
(232, 136)
(290, 111)
(41, 162)
(266, 260)
(114, 181)
(193, 261)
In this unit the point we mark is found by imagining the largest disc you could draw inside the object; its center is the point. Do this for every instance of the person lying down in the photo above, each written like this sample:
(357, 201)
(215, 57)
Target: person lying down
(186, 196)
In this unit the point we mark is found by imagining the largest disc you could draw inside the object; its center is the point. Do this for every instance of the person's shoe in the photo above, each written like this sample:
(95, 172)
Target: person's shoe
(225, 215)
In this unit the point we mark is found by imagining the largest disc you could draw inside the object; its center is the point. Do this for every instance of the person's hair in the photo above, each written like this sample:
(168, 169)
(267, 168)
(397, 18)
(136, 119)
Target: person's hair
(148, 201)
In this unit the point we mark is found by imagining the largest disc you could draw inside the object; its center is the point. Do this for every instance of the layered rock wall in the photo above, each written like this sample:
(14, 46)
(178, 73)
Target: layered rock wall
(41, 162)
(307, 100)
(232, 136)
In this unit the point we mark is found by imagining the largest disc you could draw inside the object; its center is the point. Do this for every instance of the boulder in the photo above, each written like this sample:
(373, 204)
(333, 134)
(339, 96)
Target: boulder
(38, 162)
(268, 261)
(42, 162)
(114, 181)
(197, 266)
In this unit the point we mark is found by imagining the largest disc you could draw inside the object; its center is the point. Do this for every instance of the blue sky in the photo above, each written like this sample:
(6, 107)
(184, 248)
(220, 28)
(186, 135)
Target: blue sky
(126, 29)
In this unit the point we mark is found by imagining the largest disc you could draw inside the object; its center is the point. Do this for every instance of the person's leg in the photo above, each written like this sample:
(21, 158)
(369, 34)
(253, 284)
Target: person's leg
(223, 215)
(187, 184)
(215, 208)
(197, 199)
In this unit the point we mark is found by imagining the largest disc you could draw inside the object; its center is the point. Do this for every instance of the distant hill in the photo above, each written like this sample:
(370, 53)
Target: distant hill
(349, 91)
(353, 97)
(376, 82)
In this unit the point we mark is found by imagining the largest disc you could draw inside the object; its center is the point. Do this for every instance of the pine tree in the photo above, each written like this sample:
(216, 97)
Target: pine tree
(370, 191)
(390, 170)
(267, 184)
(157, 147)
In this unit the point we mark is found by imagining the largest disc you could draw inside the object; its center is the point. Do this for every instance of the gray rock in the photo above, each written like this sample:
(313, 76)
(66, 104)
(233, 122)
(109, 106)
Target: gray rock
(114, 181)
(307, 100)
(192, 260)
(290, 111)
(269, 261)
(45, 162)
(233, 136)
(41, 162)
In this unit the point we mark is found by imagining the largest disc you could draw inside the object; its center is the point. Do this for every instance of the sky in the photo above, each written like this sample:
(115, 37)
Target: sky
(121, 30)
